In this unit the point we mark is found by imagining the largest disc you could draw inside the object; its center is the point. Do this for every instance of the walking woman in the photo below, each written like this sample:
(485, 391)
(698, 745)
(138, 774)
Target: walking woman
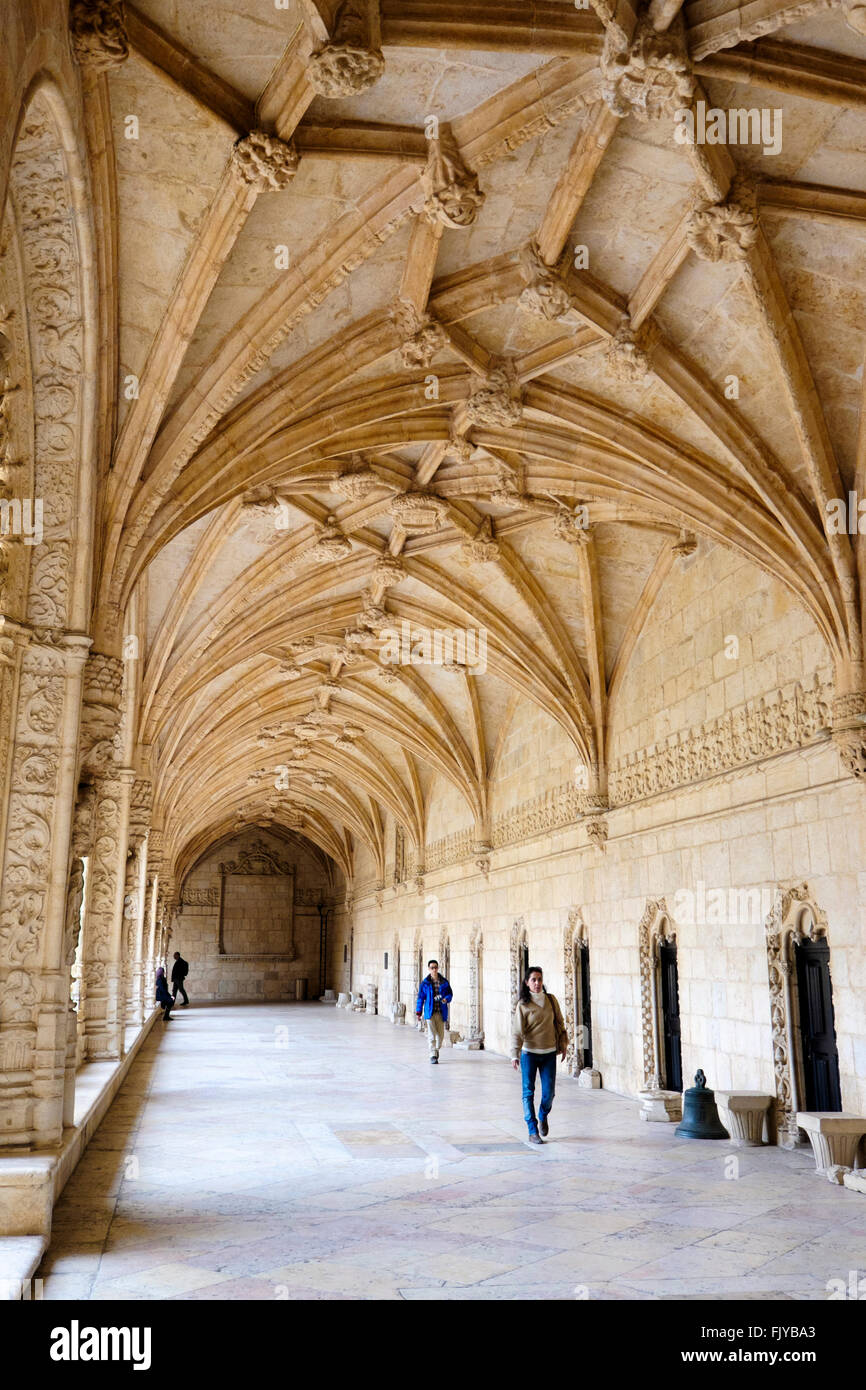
(537, 1034)
(162, 995)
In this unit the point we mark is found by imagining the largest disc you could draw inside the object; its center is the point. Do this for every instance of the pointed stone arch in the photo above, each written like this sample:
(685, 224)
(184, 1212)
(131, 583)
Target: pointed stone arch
(794, 917)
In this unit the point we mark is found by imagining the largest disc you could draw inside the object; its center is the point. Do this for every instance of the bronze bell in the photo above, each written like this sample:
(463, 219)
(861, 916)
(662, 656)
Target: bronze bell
(700, 1116)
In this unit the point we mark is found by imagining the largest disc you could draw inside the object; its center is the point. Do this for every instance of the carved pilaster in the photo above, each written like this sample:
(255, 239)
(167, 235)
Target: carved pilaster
(102, 943)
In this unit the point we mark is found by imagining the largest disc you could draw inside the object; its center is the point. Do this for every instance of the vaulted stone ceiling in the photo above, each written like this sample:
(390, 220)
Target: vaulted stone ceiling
(368, 375)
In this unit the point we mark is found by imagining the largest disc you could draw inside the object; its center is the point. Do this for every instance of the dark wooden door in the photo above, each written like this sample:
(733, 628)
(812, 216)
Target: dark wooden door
(585, 1039)
(670, 1001)
(817, 1027)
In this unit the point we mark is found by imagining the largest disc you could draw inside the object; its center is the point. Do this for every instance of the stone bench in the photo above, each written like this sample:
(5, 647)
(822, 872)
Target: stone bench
(743, 1114)
(835, 1137)
(665, 1107)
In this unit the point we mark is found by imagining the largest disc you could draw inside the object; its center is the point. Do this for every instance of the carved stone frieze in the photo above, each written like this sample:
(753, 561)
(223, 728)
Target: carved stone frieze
(751, 731)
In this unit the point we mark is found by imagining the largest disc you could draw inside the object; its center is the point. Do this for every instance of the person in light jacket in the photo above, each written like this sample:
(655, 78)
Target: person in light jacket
(434, 996)
(538, 1033)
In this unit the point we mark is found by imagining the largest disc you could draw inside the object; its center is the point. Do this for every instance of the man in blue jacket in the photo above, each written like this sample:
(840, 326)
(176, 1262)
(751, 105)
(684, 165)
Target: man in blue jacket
(434, 995)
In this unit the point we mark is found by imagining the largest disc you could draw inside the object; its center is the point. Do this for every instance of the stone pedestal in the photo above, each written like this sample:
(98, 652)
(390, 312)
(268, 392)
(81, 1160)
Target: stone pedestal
(834, 1136)
(329, 997)
(398, 1012)
(664, 1107)
(26, 1195)
(372, 1000)
(344, 1001)
(743, 1114)
(474, 1043)
(590, 1078)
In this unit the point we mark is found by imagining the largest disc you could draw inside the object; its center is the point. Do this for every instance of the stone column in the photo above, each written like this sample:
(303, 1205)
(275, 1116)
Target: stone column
(103, 917)
(34, 979)
(13, 640)
(74, 899)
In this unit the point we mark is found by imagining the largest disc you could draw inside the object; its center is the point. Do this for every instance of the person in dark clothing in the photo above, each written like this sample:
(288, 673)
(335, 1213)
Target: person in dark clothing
(179, 972)
(162, 995)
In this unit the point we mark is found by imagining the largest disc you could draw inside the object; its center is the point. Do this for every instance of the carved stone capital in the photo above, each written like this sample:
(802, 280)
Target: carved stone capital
(649, 76)
(498, 400)
(264, 162)
(98, 32)
(849, 731)
(452, 195)
(483, 547)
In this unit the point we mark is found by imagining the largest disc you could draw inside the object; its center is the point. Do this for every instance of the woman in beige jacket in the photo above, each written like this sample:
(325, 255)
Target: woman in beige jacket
(537, 1034)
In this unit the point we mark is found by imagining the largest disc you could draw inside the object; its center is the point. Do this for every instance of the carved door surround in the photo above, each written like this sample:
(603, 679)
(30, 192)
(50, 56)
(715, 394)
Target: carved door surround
(795, 917)
(655, 929)
(475, 1040)
(517, 948)
(575, 940)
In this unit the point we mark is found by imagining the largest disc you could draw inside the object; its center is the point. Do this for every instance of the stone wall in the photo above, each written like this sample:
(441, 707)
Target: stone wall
(271, 937)
(720, 849)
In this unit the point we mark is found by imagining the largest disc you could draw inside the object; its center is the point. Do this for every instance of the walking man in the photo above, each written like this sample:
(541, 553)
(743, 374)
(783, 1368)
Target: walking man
(434, 996)
(179, 972)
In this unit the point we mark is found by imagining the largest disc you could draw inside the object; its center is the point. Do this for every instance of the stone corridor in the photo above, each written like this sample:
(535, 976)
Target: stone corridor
(273, 1151)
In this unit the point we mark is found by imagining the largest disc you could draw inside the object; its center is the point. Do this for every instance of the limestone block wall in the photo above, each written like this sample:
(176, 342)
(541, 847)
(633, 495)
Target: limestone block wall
(720, 849)
(259, 928)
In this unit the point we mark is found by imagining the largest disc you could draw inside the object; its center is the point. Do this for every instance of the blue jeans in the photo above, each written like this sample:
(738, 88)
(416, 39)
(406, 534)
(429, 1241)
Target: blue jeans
(531, 1063)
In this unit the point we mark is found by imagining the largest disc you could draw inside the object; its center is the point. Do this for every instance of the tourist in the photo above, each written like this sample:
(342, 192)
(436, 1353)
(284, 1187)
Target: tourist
(537, 1034)
(434, 994)
(162, 995)
(179, 972)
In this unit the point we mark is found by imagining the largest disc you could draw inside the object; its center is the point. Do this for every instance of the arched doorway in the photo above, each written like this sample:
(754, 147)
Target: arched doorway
(805, 1055)
(660, 1004)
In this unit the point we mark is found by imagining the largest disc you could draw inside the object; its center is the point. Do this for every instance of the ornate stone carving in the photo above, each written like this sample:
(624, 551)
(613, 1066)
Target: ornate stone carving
(359, 482)
(347, 64)
(98, 32)
(648, 77)
(855, 15)
(517, 941)
(419, 513)
(264, 162)
(100, 715)
(498, 400)
(483, 547)
(546, 292)
(572, 525)
(257, 858)
(724, 231)
(140, 810)
(628, 353)
(452, 195)
(849, 731)
(331, 544)
(784, 926)
(685, 545)
(654, 927)
(597, 831)
(574, 937)
(743, 735)
(423, 336)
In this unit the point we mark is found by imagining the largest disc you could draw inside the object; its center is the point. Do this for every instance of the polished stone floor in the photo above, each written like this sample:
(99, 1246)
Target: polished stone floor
(299, 1152)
